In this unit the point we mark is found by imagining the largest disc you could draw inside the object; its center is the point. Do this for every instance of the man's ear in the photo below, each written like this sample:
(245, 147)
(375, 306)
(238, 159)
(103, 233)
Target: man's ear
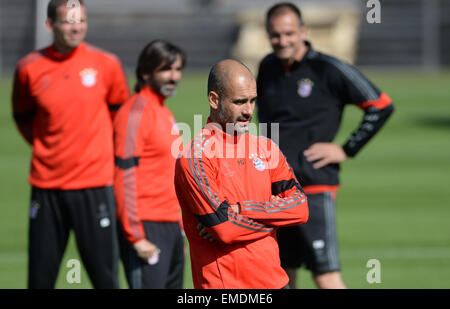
(304, 32)
(49, 24)
(214, 99)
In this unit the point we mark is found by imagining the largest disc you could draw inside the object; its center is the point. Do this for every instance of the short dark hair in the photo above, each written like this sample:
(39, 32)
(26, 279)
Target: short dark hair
(53, 6)
(153, 55)
(282, 8)
(218, 79)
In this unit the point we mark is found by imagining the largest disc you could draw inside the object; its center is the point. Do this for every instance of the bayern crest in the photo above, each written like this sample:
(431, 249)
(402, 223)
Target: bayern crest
(258, 164)
(88, 77)
(305, 87)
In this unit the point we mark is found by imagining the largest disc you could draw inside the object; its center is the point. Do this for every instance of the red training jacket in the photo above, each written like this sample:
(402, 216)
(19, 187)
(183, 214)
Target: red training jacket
(62, 105)
(217, 170)
(145, 140)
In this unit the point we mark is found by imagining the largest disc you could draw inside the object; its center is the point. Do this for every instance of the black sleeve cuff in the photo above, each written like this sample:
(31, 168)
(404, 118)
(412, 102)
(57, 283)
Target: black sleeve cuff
(373, 120)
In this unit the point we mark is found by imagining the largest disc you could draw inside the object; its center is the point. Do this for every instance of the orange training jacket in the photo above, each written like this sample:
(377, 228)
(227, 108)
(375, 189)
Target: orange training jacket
(217, 170)
(62, 105)
(145, 135)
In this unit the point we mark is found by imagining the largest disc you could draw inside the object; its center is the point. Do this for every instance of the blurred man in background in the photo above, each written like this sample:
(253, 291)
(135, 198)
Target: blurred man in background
(235, 192)
(63, 99)
(305, 92)
(147, 206)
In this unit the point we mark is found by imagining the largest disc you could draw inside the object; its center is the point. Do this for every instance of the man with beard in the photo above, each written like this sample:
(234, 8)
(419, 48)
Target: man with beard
(235, 190)
(63, 99)
(152, 246)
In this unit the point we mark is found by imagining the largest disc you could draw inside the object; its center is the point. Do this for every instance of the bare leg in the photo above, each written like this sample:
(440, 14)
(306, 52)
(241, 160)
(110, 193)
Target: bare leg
(292, 274)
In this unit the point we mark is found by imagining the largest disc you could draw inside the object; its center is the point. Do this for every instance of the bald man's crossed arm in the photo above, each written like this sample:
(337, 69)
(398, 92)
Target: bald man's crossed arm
(199, 192)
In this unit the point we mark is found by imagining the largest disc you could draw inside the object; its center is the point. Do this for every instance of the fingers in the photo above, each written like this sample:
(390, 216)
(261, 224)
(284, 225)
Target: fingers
(324, 154)
(235, 208)
(321, 159)
(207, 236)
(202, 230)
(314, 156)
(145, 249)
(321, 163)
(315, 152)
(275, 198)
(311, 150)
(204, 233)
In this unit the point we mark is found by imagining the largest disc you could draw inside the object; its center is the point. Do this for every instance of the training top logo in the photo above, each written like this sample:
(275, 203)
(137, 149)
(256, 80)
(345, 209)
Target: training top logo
(305, 87)
(258, 164)
(88, 77)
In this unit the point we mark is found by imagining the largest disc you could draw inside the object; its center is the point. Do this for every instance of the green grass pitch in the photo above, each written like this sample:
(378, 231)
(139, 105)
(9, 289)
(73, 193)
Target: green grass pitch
(394, 204)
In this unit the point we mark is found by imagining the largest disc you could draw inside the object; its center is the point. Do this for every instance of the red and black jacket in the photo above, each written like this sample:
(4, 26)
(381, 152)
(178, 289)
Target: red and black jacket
(307, 100)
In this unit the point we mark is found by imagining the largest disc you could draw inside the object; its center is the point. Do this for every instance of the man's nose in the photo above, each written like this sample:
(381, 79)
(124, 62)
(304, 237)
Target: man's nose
(283, 41)
(248, 109)
(76, 26)
(175, 75)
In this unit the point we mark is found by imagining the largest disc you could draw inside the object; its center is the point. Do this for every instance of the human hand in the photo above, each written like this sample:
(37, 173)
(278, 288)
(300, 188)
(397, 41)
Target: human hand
(324, 154)
(274, 198)
(204, 233)
(236, 208)
(145, 249)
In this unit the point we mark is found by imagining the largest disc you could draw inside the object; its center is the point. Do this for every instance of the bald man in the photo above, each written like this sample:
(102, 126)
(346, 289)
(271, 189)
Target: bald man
(235, 189)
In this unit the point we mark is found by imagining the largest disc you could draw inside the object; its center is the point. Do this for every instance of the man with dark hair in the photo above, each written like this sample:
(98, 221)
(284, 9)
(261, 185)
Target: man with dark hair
(235, 190)
(145, 130)
(62, 99)
(305, 92)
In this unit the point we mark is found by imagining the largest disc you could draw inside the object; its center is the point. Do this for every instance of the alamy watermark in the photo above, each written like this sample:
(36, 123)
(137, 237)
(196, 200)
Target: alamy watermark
(222, 145)
(373, 16)
(73, 275)
(374, 273)
(74, 14)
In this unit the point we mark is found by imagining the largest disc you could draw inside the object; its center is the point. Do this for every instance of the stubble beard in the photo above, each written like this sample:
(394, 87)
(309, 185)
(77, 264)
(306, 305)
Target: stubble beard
(167, 91)
(230, 126)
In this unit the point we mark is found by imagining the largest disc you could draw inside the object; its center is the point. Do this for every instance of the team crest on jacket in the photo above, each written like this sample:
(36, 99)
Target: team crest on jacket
(258, 164)
(88, 77)
(305, 86)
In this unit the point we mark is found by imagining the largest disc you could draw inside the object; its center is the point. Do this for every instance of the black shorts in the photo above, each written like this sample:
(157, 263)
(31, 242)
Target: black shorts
(91, 214)
(313, 243)
(165, 272)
